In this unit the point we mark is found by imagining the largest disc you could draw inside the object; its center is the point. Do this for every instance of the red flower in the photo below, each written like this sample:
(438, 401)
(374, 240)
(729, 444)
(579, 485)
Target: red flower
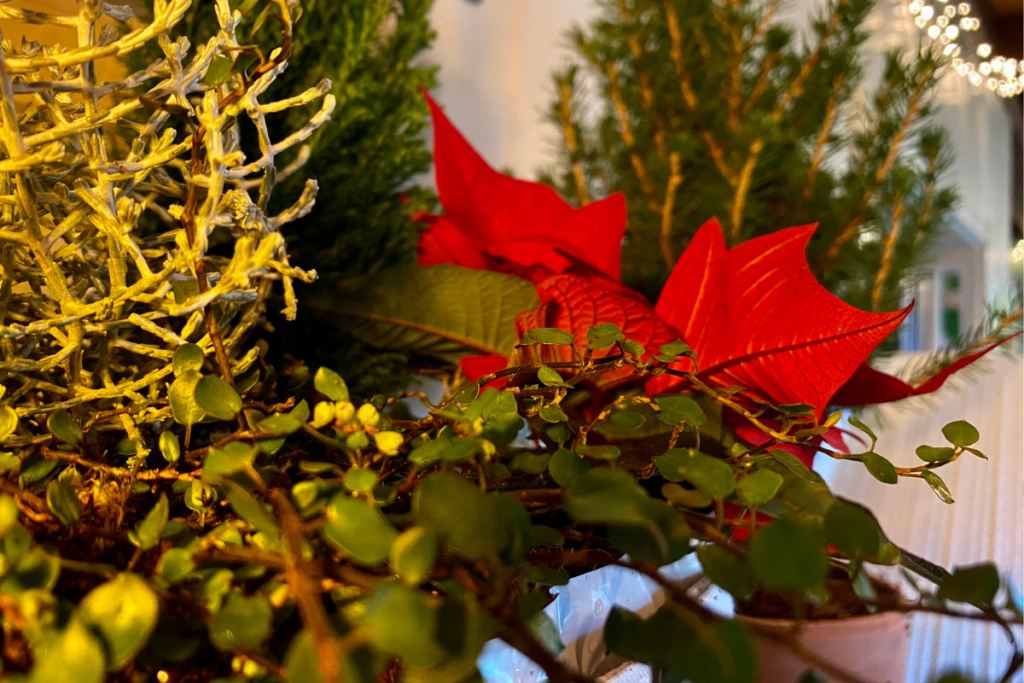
(756, 317)
(494, 222)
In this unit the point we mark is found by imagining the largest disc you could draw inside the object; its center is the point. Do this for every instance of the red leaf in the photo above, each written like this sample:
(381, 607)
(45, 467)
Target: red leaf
(574, 304)
(525, 223)
(756, 317)
(868, 386)
(475, 367)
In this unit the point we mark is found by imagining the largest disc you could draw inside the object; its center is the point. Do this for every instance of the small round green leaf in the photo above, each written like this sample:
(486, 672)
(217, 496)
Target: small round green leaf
(361, 480)
(727, 570)
(147, 534)
(169, 446)
(758, 487)
(124, 612)
(182, 396)
(413, 554)
(400, 621)
(75, 655)
(63, 502)
(464, 518)
(359, 529)
(788, 555)
(221, 462)
(188, 357)
(531, 463)
(565, 466)
(961, 433)
(627, 419)
(242, 623)
(852, 530)
(553, 414)
(549, 335)
(64, 427)
(975, 584)
(8, 421)
(218, 398)
(795, 465)
(550, 377)
(676, 410)
(607, 452)
(330, 384)
(879, 468)
(935, 454)
(939, 486)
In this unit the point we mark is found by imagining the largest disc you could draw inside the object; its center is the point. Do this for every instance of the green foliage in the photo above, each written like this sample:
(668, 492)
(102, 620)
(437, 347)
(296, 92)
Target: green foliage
(705, 110)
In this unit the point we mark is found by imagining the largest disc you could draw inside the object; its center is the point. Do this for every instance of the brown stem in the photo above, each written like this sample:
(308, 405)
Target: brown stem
(304, 589)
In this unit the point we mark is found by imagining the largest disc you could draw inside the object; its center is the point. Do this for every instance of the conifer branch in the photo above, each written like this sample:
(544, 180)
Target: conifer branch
(646, 91)
(831, 111)
(569, 131)
(665, 235)
(626, 131)
(889, 252)
(849, 231)
(689, 97)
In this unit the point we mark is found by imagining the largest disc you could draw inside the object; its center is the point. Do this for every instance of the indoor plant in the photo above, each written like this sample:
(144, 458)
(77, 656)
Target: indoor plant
(763, 337)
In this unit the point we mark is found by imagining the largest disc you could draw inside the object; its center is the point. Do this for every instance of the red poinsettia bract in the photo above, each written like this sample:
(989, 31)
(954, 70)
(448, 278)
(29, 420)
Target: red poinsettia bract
(754, 315)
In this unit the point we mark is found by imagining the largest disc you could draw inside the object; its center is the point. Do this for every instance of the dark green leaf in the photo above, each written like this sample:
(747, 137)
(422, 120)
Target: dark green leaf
(242, 623)
(63, 502)
(464, 517)
(218, 72)
(607, 452)
(688, 498)
(879, 468)
(549, 377)
(975, 584)
(547, 576)
(218, 398)
(552, 414)
(124, 612)
(788, 555)
(221, 462)
(431, 310)
(280, 424)
(796, 409)
(862, 427)
(727, 570)
(794, 465)
(64, 427)
(712, 476)
(758, 487)
(359, 529)
(251, 510)
(147, 534)
(678, 409)
(961, 433)
(502, 428)
(608, 495)
(627, 419)
(545, 535)
(939, 486)
(548, 335)
(531, 463)
(633, 348)
(934, 454)
(676, 348)
(176, 564)
(400, 621)
(565, 466)
(854, 531)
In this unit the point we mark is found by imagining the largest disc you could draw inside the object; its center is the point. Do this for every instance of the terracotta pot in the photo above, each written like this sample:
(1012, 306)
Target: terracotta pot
(873, 648)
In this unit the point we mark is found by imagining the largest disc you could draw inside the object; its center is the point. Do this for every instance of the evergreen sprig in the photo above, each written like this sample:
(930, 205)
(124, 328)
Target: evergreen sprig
(718, 110)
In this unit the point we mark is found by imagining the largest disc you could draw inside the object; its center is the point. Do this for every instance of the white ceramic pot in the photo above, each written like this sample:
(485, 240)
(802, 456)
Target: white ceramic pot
(873, 648)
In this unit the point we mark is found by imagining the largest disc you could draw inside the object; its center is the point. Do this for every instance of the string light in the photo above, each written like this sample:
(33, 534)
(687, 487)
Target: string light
(939, 22)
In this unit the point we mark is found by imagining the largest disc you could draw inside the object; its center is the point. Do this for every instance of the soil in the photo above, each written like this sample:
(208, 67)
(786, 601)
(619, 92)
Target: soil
(844, 602)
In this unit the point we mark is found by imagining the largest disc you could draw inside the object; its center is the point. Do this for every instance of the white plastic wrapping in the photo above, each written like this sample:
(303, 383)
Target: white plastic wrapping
(579, 611)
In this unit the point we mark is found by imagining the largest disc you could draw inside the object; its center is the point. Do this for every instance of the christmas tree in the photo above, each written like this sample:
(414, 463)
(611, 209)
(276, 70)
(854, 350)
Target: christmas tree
(365, 157)
(717, 109)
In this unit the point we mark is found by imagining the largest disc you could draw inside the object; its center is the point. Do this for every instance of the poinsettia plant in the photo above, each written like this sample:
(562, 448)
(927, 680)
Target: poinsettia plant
(680, 426)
